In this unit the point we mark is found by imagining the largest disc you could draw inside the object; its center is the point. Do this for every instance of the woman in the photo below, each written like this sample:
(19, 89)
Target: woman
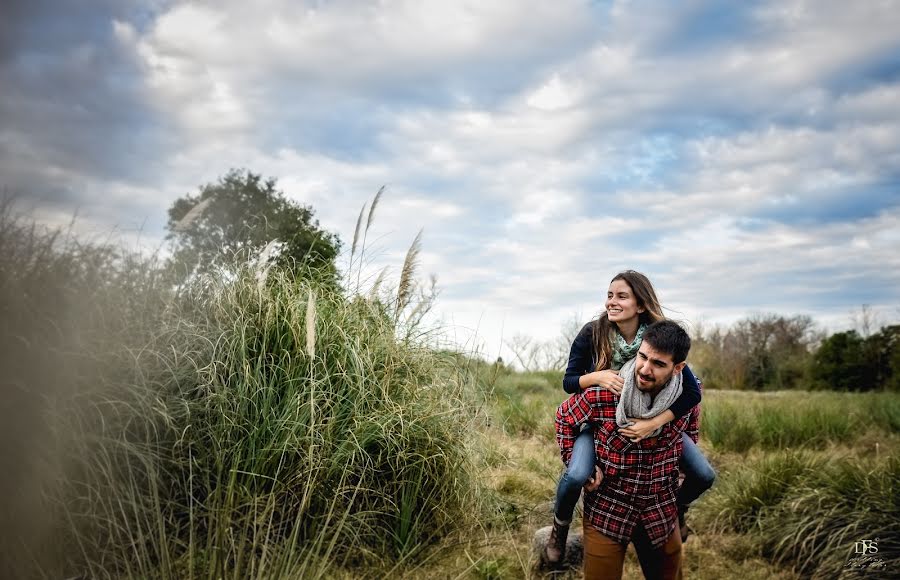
(598, 352)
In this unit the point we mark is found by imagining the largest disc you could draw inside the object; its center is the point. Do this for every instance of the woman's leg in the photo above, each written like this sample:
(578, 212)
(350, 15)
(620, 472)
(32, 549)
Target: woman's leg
(698, 473)
(579, 470)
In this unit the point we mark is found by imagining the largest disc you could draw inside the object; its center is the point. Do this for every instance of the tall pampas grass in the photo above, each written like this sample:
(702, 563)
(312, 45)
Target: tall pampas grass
(407, 274)
(221, 431)
(365, 232)
(311, 324)
(192, 215)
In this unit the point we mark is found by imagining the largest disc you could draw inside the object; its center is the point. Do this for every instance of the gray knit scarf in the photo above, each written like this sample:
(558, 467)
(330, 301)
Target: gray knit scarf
(623, 351)
(637, 405)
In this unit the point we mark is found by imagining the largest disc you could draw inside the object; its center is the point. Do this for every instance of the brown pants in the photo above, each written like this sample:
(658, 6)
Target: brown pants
(604, 557)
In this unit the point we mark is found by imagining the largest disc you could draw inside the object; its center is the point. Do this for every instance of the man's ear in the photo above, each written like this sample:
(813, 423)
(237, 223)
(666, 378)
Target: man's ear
(680, 366)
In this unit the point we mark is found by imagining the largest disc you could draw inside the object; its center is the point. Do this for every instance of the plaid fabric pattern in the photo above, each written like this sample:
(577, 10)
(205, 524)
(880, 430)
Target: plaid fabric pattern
(693, 426)
(640, 480)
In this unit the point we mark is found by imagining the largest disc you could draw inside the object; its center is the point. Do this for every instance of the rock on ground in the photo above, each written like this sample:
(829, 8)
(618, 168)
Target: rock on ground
(574, 548)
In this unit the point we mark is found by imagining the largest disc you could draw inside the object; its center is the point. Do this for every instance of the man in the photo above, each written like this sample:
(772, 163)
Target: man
(633, 496)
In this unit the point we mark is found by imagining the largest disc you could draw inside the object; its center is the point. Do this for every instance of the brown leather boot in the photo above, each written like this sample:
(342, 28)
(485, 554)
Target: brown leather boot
(556, 544)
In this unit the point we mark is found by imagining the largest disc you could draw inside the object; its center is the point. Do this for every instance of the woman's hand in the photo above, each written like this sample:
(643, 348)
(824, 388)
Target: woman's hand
(608, 379)
(639, 429)
(594, 482)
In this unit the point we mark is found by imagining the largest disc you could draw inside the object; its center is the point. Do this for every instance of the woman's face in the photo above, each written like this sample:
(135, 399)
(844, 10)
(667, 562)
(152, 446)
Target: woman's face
(621, 305)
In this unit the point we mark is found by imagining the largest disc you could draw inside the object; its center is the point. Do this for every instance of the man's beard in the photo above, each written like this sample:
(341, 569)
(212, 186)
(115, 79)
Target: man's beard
(650, 387)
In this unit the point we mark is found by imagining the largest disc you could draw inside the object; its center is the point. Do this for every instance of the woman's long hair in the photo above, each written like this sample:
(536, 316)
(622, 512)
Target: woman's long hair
(646, 298)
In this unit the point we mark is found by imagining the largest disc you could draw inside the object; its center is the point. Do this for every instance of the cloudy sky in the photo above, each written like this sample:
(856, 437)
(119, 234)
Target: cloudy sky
(744, 155)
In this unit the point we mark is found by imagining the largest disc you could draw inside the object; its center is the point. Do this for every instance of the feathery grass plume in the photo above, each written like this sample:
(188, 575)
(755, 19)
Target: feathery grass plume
(372, 209)
(311, 324)
(369, 219)
(362, 210)
(424, 304)
(376, 286)
(263, 263)
(191, 216)
(406, 285)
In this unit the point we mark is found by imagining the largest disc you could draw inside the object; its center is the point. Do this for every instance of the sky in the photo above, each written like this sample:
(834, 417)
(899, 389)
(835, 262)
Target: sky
(744, 155)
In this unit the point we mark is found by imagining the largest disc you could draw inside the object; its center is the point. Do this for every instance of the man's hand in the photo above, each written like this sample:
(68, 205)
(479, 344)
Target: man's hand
(594, 482)
(608, 379)
(639, 429)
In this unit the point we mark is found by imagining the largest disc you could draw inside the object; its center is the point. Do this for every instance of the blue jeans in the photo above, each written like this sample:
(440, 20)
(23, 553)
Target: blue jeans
(698, 474)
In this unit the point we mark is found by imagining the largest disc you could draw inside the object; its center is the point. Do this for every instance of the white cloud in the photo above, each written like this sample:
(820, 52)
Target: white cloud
(542, 146)
(553, 95)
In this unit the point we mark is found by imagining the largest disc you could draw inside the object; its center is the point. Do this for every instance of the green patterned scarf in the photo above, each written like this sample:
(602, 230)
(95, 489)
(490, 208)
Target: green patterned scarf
(624, 352)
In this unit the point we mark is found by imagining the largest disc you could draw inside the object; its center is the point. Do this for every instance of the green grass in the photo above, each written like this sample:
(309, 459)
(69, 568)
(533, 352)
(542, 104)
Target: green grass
(523, 403)
(806, 510)
(223, 427)
(739, 421)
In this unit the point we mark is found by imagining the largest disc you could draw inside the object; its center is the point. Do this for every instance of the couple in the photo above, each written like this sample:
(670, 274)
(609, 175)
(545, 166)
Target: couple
(625, 433)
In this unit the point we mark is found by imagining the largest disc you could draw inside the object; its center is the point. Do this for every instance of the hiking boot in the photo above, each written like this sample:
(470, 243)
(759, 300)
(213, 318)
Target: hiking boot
(556, 544)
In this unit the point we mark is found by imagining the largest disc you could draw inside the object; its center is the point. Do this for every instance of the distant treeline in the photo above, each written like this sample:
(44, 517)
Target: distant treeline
(773, 352)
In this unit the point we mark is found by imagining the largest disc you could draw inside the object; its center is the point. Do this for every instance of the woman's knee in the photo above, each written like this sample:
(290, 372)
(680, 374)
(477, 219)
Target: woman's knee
(707, 477)
(581, 464)
(697, 467)
(702, 477)
(578, 472)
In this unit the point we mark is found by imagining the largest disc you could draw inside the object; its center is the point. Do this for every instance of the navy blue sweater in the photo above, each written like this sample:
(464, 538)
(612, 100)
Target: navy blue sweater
(583, 360)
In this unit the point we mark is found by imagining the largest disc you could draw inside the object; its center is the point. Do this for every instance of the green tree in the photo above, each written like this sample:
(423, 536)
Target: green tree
(240, 215)
(884, 349)
(841, 363)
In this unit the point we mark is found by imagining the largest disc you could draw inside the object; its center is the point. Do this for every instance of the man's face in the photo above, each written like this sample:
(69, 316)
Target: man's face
(654, 368)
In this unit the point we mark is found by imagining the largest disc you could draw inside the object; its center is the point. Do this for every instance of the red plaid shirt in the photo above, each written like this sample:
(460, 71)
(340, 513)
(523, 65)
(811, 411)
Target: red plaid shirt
(693, 426)
(640, 480)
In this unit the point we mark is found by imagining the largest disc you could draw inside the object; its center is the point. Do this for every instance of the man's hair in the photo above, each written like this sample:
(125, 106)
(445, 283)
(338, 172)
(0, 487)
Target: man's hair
(667, 336)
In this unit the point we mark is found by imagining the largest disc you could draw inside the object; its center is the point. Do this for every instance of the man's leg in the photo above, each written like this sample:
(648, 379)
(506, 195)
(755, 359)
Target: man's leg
(659, 563)
(603, 556)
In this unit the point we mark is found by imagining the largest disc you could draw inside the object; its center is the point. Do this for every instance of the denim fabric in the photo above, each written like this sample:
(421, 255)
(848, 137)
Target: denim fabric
(579, 470)
(698, 473)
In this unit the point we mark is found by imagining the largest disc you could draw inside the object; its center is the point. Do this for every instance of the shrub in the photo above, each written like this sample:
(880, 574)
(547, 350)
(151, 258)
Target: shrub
(809, 512)
(246, 426)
